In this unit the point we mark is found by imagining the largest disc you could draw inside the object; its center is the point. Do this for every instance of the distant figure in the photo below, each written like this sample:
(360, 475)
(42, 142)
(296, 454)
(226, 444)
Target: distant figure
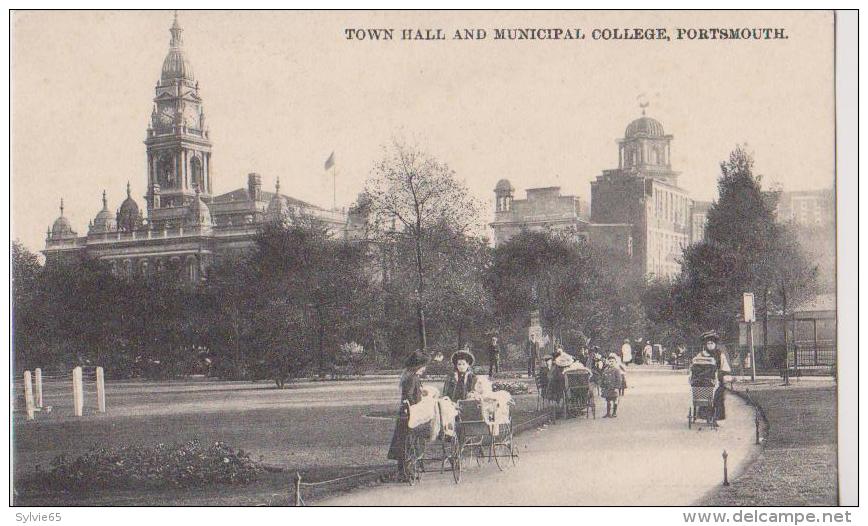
(493, 357)
(626, 352)
(647, 352)
(532, 356)
(611, 385)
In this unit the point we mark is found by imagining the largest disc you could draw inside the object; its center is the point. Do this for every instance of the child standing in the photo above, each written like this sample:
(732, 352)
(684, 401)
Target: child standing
(613, 379)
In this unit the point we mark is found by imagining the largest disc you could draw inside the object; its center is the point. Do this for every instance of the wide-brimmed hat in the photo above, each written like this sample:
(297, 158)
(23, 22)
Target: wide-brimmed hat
(612, 355)
(415, 360)
(709, 335)
(462, 354)
(564, 360)
(547, 357)
(626, 340)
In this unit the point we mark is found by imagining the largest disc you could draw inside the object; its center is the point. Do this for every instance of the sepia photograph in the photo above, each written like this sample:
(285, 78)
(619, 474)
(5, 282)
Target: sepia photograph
(427, 258)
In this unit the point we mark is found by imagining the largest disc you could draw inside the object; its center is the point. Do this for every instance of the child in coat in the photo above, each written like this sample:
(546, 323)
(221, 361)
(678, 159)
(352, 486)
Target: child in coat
(613, 379)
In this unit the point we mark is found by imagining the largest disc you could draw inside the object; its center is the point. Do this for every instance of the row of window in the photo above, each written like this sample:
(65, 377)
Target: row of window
(188, 268)
(671, 207)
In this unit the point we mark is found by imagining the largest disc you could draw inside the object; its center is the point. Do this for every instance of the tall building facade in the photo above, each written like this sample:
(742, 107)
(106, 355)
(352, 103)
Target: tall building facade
(637, 209)
(185, 227)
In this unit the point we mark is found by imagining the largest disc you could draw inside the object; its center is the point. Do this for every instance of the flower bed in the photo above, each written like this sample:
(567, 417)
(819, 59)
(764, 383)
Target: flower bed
(176, 465)
(513, 388)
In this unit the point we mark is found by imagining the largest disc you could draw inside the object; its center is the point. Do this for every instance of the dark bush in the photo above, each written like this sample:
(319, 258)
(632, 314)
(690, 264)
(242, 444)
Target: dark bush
(177, 465)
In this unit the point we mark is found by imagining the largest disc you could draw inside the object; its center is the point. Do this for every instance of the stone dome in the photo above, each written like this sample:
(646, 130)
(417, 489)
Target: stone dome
(644, 126)
(176, 65)
(62, 227)
(278, 208)
(504, 186)
(129, 216)
(104, 220)
(198, 213)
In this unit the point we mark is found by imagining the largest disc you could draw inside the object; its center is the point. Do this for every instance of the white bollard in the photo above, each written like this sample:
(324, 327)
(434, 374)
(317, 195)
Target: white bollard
(28, 395)
(77, 392)
(100, 389)
(38, 372)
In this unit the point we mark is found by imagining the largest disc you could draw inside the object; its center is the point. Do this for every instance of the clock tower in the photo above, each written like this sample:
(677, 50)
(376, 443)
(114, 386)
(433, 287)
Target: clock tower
(178, 147)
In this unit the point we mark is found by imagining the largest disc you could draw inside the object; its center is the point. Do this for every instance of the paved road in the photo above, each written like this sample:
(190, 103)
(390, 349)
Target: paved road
(646, 456)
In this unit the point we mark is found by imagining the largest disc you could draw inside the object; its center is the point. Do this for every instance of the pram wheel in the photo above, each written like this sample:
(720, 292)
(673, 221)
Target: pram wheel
(455, 460)
(413, 459)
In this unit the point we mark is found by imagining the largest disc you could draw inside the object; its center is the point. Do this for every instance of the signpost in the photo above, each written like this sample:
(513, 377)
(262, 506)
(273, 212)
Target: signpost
(749, 318)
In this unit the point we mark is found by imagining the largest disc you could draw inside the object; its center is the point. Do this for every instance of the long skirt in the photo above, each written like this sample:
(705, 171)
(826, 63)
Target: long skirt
(719, 403)
(396, 449)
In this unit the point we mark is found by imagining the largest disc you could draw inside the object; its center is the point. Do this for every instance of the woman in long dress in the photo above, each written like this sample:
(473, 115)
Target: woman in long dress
(711, 348)
(411, 391)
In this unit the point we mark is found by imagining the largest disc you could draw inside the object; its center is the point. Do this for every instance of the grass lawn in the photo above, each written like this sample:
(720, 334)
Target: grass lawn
(324, 430)
(798, 464)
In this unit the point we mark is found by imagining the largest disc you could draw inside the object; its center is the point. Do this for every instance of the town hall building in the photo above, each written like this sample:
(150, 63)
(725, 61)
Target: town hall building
(184, 227)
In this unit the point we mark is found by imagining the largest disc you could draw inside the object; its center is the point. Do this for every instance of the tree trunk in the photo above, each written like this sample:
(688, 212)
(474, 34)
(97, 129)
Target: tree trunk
(420, 309)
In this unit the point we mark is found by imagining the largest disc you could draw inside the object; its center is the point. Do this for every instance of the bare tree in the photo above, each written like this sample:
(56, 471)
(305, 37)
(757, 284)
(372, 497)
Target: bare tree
(411, 194)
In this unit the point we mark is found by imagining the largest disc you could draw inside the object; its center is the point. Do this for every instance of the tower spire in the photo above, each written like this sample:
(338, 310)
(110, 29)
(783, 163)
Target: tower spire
(277, 186)
(104, 201)
(128, 189)
(176, 31)
(61, 207)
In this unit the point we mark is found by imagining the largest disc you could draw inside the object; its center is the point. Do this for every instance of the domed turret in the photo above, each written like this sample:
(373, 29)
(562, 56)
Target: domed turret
(503, 191)
(61, 228)
(198, 213)
(504, 186)
(129, 217)
(176, 65)
(645, 127)
(278, 208)
(104, 220)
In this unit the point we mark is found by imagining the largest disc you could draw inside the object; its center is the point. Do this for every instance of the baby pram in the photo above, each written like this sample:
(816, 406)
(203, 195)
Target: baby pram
(703, 383)
(432, 437)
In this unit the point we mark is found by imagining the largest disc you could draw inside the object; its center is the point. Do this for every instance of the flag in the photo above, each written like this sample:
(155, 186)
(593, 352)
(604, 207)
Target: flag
(330, 161)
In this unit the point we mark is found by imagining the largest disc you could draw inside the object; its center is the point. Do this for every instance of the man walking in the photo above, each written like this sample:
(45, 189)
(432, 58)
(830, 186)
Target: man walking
(532, 356)
(493, 357)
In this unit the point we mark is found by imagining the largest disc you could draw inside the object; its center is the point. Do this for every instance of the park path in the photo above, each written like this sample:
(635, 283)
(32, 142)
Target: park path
(647, 456)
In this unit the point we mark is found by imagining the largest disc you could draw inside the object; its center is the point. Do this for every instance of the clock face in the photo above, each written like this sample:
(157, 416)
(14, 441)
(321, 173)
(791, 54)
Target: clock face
(167, 116)
(191, 116)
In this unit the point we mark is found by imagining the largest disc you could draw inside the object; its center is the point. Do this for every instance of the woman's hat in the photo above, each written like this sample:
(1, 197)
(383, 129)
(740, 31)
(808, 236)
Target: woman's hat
(547, 357)
(595, 348)
(463, 354)
(709, 335)
(612, 355)
(564, 360)
(416, 359)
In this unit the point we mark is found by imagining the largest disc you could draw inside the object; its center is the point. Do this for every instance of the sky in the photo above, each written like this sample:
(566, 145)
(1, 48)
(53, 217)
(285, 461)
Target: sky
(282, 90)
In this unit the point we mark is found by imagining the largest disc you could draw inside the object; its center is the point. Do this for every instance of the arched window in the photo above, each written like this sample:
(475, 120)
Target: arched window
(192, 269)
(197, 175)
(166, 171)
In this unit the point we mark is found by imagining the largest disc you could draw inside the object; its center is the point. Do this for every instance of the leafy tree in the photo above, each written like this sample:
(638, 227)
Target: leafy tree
(410, 196)
(744, 250)
(560, 277)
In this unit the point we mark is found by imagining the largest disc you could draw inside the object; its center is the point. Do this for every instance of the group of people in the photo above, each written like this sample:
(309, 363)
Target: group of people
(609, 374)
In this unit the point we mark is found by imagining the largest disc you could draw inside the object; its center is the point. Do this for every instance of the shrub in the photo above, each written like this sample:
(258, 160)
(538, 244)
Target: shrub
(177, 465)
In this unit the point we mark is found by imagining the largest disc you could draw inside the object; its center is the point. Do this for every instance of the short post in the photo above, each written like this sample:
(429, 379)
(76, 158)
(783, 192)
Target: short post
(38, 373)
(28, 395)
(725, 474)
(756, 423)
(77, 392)
(298, 501)
(100, 389)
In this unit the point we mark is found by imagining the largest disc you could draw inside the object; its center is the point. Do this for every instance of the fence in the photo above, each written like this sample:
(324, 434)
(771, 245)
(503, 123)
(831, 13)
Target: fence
(61, 393)
(300, 487)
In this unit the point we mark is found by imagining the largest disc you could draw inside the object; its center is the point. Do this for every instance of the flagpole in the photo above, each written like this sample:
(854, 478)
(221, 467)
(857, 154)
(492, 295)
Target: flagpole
(334, 188)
